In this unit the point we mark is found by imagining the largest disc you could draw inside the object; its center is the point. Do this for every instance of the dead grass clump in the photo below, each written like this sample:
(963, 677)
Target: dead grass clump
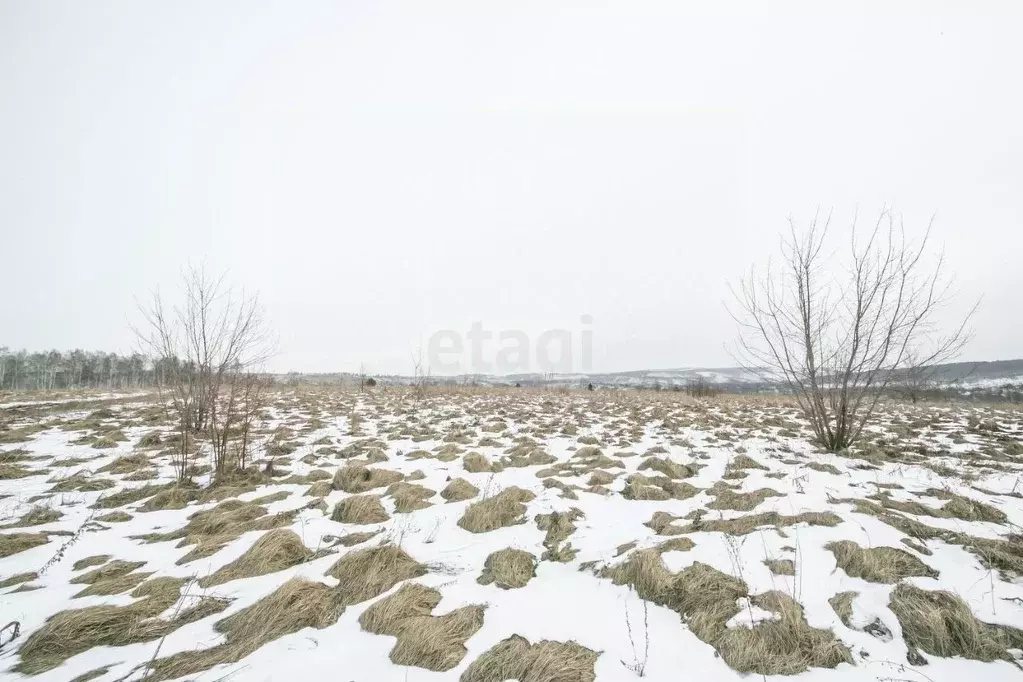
(211, 529)
(600, 477)
(12, 471)
(786, 646)
(115, 517)
(360, 510)
(320, 489)
(507, 508)
(458, 490)
(781, 566)
(878, 564)
(88, 561)
(661, 523)
(36, 516)
(821, 466)
(475, 463)
(15, 543)
(747, 524)
(941, 624)
(559, 526)
(842, 604)
(672, 470)
(546, 661)
(568, 491)
(367, 573)
(432, 642)
(126, 464)
(739, 465)
(176, 497)
(114, 569)
(294, 606)
(508, 569)
(409, 497)
(18, 579)
(129, 495)
(274, 551)
(640, 487)
(727, 498)
(677, 544)
(150, 440)
(82, 483)
(357, 478)
(69, 633)
(352, 539)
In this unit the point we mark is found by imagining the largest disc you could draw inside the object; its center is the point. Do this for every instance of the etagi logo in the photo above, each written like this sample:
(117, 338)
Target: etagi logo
(554, 350)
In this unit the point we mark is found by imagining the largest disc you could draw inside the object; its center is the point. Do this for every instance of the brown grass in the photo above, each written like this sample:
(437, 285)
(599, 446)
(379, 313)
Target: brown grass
(358, 478)
(115, 517)
(36, 516)
(672, 470)
(18, 579)
(360, 510)
(781, 566)
(320, 489)
(878, 564)
(507, 508)
(727, 498)
(941, 624)
(15, 543)
(747, 524)
(546, 661)
(275, 551)
(842, 604)
(409, 497)
(294, 606)
(81, 482)
(425, 641)
(459, 490)
(706, 599)
(639, 487)
(508, 569)
(367, 573)
(126, 464)
(68, 633)
(475, 463)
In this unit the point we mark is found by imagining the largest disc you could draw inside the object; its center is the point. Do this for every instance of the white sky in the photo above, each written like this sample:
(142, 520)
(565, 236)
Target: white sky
(382, 170)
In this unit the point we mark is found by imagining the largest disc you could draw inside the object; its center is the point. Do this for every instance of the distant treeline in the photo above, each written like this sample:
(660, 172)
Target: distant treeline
(56, 369)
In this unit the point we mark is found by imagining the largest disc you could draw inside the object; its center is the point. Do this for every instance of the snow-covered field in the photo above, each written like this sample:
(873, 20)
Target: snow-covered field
(653, 536)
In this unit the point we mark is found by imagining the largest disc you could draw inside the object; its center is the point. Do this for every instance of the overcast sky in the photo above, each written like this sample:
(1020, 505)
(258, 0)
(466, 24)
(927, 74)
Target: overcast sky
(379, 171)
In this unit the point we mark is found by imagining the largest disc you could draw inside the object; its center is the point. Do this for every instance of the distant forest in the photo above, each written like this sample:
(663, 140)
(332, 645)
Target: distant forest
(77, 369)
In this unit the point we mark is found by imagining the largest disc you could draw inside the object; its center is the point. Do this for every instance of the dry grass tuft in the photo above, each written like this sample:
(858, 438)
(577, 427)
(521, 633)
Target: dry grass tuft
(36, 516)
(15, 543)
(508, 569)
(600, 477)
(126, 464)
(370, 572)
(18, 579)
(409, 497)
(878, 564)
(842, 604)
(475, 463)
(432, 642)
(82, 483)
(294, 606)
(679, 544)
(507, 508)
(320, 489)
(360, 510)
(211, 529)
(672, 470)
(352, 539)
(546, 661)
(115, 517)
(659, 488)
(941, 624)
(458, 490)
(747, 524)
(727, 498)
(781, 566)
(68, 633)
(274, 551)
(357, 478)
(707, 599)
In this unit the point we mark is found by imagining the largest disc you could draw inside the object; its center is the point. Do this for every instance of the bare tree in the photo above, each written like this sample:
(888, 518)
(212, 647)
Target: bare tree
(210, 344)
(838, 336)
(420, 379)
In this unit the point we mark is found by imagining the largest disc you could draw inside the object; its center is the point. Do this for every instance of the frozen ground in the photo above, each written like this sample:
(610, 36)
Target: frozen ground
(689, 540)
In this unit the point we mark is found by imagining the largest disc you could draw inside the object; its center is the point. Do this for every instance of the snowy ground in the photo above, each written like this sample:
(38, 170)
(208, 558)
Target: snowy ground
(957, 470)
